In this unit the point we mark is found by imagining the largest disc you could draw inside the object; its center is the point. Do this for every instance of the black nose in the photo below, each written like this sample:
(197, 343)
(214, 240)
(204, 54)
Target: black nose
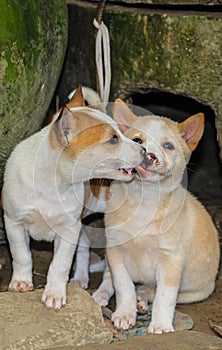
(143, 151)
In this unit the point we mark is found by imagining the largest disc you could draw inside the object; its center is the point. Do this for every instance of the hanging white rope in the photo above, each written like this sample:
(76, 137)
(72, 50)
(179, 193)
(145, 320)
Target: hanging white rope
(103, 61)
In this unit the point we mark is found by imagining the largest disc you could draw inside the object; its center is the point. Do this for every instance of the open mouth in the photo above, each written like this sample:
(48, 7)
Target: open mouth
(146, 170)
(128, 171)
(139, 170)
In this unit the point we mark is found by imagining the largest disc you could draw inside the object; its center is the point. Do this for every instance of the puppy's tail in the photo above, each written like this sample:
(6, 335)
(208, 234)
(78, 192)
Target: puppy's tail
(98, 266)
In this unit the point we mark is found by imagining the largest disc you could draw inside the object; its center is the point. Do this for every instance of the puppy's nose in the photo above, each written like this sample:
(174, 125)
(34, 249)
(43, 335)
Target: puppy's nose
(151, 159)
(143, 151)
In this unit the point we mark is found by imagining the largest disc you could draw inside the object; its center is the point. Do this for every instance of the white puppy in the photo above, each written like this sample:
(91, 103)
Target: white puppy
(43, 190)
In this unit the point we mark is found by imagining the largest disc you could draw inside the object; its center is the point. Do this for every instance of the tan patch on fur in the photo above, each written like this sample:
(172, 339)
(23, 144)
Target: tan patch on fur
(94, 187)
(77, 100)
(88, 136)
(97, 184)
(88, 131)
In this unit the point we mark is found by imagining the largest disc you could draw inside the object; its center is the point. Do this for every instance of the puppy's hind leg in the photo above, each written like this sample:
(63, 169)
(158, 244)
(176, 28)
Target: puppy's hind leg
(144, 295)
(81, 275)
(18, 238)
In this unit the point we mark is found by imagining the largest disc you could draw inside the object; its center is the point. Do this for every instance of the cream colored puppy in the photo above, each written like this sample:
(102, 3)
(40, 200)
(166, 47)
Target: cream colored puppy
(157, 233)
(43, 190)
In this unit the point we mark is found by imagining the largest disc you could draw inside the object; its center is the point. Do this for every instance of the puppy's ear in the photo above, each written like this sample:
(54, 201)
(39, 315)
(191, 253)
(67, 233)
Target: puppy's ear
(123, 115)
(192, 130)
(66, 126)
(77, 99)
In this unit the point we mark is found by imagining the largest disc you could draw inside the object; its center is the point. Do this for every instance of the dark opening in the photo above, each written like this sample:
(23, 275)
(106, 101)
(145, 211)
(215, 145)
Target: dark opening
(205, 168)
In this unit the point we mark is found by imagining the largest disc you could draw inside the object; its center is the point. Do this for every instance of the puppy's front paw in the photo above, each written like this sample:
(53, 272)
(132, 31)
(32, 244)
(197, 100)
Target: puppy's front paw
(20, 286)
(81, 282)
(159, 328)
(101, 298)
(54, 298)
(124, 319)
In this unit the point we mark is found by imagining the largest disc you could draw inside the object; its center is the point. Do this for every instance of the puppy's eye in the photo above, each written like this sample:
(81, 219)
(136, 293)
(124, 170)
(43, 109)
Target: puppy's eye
(114, 140)
(168, 146)
(137, 140)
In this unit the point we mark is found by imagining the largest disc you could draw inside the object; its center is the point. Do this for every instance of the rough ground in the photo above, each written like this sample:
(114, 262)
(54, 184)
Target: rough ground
(201, 337)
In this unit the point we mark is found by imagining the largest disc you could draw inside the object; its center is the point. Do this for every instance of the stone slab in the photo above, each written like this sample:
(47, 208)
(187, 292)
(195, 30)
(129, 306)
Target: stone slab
(174, 341)
(25, 323)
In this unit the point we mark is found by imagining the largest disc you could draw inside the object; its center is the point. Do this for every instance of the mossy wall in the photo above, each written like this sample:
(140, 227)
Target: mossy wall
(165, 2)
(179, 52)
(33, 39)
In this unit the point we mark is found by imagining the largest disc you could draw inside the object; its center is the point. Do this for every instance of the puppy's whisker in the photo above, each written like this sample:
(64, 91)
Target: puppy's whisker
(192, 171)
(193, 164)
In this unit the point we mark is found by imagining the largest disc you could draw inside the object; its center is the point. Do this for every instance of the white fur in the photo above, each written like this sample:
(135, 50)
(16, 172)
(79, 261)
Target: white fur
(105, 291)
(43, 195)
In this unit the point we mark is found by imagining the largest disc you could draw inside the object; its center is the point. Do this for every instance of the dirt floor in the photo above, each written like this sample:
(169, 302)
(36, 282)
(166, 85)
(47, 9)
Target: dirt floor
(204, 314)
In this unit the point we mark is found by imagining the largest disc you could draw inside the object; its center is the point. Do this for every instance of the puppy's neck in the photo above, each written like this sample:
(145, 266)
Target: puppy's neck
(162, 187)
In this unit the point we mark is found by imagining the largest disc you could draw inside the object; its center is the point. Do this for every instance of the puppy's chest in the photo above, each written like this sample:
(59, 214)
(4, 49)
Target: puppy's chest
(134, 211)
(141, 257)
(52, 215)
(38, 224)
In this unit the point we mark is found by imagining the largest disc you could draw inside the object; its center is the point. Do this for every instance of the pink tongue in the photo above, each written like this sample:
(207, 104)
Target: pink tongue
(141, 171)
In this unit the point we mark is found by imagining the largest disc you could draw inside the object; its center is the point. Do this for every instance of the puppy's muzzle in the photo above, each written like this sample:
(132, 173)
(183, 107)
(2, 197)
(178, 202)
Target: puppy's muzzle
(143, 152)
(151, 159)
(148, 164)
